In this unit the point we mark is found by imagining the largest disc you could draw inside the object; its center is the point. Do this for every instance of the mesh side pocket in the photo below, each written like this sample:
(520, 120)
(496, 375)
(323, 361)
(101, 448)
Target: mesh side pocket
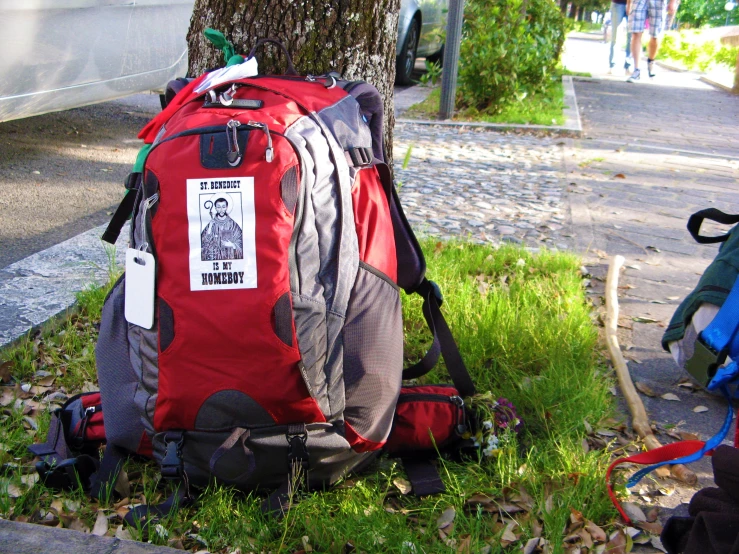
(373, 358)
(117, 378)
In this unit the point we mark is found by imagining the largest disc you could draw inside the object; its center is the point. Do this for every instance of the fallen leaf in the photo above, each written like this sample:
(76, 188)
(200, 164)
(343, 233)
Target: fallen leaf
(78, 525)
(403, 485)
(598, 534)
(587, 540)
(671, 397)
(617, 543)
(123, 534)
(531, 546)
(634, 512)
(654, 249)
(56, 506)
(634, 266)
(14, 491)
(673, 298)
(30, 479)
(446, 518)
(5, 374)
(509, 536)
(653, 527)
(684, 435)
(644, 319)
(652, 515)
(700, 409)
(656, 543)
(465, 545)
(619, 176)
(71, 506)
(7, 397)
(549, 504)
(101, 524)
(644, 389)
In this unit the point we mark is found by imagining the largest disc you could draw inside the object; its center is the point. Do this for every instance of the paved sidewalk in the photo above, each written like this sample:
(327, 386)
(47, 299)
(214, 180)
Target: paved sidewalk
(651, 154)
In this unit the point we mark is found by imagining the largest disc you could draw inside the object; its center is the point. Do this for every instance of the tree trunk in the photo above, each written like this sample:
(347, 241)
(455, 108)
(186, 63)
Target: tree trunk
(356, 38)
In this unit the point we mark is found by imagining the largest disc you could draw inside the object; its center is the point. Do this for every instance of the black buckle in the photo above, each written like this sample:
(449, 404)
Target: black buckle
(60, 476)
(704, 362)
(132, 181)
(427, 286)
(172, 466)
(360, 156)
(297, 453)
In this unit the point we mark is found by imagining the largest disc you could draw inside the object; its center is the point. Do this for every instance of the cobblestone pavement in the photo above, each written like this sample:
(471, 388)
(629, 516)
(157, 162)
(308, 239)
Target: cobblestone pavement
(485, 186)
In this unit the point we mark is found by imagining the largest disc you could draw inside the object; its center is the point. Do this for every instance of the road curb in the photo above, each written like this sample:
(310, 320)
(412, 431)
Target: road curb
(26, 538)
(38, 288)
(571, 127)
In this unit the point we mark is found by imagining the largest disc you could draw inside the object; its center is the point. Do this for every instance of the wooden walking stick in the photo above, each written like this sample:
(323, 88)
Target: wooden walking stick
(640, 421)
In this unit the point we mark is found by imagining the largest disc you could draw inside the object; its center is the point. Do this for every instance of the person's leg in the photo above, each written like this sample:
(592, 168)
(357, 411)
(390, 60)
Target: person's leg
(637, 20)
(636, 48)
(657, 18)
(615, 20)
(620, 17)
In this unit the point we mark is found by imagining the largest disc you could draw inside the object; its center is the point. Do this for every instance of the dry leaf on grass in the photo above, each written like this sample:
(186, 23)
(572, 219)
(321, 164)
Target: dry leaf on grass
(598, 534)
(700, 409)
(76, 524)
(509, 536)
(446, 518)
(617, 543)
(101, 524)
(671, 397)
(403, 485)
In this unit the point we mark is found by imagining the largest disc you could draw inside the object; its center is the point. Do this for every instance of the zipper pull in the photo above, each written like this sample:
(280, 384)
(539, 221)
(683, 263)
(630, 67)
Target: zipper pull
(461, 427)
(269, 153)
(232, 138)
(147, 206)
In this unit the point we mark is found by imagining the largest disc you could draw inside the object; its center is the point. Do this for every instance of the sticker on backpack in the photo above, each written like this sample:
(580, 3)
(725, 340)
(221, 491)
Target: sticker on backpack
(221, 227)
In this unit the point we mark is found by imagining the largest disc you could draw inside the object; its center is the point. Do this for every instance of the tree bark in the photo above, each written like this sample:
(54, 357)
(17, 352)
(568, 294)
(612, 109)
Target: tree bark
(356, 38)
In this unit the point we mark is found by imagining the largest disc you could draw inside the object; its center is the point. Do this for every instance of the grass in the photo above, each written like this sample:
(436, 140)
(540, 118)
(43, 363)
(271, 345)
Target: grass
(543, 108)
(524, 328)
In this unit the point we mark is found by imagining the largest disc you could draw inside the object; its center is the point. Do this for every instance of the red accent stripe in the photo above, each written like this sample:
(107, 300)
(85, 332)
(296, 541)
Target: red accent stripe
(358, 442)
(664, 453)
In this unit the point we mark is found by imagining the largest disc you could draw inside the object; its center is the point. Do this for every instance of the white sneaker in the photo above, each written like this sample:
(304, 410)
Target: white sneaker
(635, 76)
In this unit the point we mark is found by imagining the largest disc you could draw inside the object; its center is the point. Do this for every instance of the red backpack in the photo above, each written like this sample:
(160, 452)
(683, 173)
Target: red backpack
(257, 333)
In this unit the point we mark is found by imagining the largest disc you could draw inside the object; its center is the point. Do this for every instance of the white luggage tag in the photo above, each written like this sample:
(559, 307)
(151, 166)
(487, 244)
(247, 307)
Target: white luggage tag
(140, 282)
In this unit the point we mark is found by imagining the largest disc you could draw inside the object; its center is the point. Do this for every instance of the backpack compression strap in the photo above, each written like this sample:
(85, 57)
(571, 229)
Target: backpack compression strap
(59, 468)
(443, 340)
(695, 221)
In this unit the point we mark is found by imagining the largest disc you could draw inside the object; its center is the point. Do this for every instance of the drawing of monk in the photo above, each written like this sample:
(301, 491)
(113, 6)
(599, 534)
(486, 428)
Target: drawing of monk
(222, 238)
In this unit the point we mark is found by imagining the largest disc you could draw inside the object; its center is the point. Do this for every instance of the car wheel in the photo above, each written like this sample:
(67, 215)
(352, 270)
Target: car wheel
(407, 59)
(438, 57)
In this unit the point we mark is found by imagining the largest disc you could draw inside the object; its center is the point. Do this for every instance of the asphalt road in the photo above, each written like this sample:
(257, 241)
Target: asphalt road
(62, 173)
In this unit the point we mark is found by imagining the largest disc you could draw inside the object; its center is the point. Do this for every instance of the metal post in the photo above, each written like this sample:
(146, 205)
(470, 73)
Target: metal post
(451, 58)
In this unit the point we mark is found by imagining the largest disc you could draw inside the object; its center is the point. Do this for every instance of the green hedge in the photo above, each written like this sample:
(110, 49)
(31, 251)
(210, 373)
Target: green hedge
(695, 50)
(510, 48)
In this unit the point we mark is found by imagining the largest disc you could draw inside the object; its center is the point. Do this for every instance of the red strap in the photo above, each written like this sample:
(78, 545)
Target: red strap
(661, 454)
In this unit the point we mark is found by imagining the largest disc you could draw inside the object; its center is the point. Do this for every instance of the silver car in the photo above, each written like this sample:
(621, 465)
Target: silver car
(60, 54)
(420, 33)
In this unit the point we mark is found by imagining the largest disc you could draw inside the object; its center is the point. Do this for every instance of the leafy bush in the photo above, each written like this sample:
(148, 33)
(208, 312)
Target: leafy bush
(509, 48)
(694, 50)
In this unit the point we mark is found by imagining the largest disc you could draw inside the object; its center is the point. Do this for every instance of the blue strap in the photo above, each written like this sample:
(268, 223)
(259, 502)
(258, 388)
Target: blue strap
(721, 333)
(711, 443)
